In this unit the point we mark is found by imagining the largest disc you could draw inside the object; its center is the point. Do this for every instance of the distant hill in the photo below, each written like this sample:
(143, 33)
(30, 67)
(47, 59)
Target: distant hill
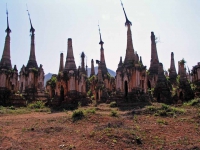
(112, 73)
(48, 76)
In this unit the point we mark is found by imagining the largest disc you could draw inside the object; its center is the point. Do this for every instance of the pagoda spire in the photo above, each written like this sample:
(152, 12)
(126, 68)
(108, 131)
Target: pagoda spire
(120, 65)
(102, 57)
(172, 70)
(32, 63)
(127, 21)
(101, 42)
(154, 56)
(70, 63)
(92, 68)
(61, 63)
(32, 30)
(83, 62)
(130, 56)
(5, 60)
(8, 28)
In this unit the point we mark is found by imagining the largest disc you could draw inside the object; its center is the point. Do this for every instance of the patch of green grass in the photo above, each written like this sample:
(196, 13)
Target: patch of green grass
(45, 109)
(177, 110)
(77, 115)
(161, 121)
(8, 110)
(114, 141)
(165, 106)
(90, 111)
(193, 102)
(36, 105)
(151, 108)
(12, 107)
(164, 110)
(114, 113)
(113, 104)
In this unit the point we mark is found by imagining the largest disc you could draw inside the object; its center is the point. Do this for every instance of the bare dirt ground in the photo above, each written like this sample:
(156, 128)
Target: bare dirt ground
(100, 131)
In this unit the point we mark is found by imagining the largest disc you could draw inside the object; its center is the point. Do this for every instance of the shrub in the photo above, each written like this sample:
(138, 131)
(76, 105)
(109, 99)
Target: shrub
(77, 115)
(165, 106)
(12, 107)
(151, 108)
(92, 97)
(113, 104)
(92, 111)
(182, 61)
(89, 93)
(36, 105)
(164, 110)
(114, 113)
(162, 113)
(177, 110)
(192, 102)
(52, 82)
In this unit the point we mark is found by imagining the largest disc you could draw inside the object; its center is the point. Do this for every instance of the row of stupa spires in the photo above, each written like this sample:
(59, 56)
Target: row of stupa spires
(32, 63)
(70, 63)
(154, 63)
(6, 61)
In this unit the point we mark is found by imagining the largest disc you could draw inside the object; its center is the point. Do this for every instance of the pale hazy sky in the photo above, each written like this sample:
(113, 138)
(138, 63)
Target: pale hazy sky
(176, 22)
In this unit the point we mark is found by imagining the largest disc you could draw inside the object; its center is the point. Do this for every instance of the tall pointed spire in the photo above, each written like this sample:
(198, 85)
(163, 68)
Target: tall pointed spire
(83, 62)
(61, 62)
(102, 58)
(129, 57)
(127, 21)
(182, 70)
(92, 68)
(32, 30)
(32, 63)
(154, 56)
(172, 71)
(5, 60)
(70, 63)
(8, 28)
(101, 42)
